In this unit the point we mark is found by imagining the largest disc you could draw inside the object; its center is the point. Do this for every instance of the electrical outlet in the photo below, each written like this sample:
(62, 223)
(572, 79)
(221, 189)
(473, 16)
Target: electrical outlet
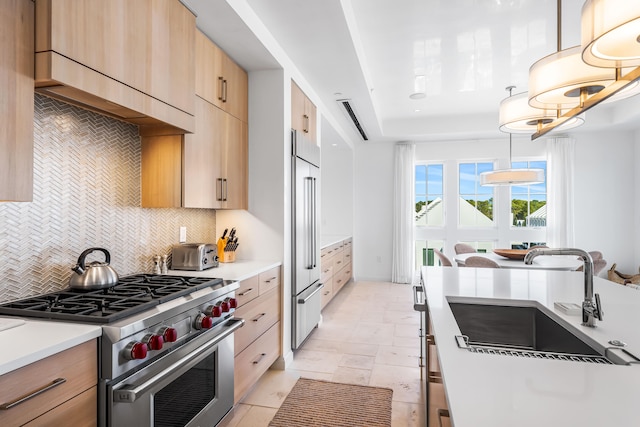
(183, 234)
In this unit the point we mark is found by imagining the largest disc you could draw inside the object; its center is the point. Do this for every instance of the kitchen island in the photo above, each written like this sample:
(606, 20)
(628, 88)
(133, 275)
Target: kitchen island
(506, 391)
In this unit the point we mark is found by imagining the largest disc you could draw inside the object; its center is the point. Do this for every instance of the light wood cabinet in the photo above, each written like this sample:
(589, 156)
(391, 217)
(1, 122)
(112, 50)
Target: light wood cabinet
(257, 343)
(438, 409)
(335, 268)
(206, 169)
(303, 113)
(64, 389)
(134, 61)
(220, 80)
(16, 101)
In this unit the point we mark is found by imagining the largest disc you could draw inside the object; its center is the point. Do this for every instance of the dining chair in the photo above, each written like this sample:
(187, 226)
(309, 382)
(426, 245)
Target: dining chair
(463, 248)
(595, 255)
(444, 260)
(480, 261)
(538, 246)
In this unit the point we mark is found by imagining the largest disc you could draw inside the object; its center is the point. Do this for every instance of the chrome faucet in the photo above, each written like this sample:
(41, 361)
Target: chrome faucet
(591, 310)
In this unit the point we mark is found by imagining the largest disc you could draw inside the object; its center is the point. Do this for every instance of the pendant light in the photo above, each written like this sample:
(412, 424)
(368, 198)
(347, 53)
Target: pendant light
(511, 176)
(517, 116)
(609, 33)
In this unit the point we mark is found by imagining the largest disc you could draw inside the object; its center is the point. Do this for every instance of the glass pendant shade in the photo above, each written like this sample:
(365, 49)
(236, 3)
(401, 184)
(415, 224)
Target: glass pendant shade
(517, 116)
(558, 80)
(609, 33)
(512, 177)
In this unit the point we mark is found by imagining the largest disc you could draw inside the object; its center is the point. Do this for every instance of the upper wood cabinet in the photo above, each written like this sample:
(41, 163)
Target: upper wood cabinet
(133, 60)
(16, 101)
(303, 113)
(206, 169)
(219, 79)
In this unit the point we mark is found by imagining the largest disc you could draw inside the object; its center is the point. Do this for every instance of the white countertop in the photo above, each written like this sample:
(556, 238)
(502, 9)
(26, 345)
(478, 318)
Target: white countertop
(238, 270)
(504, 391)
(330, 239)
(36, 339)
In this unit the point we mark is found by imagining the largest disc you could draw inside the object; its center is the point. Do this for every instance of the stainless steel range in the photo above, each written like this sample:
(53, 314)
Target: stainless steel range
(166, 351)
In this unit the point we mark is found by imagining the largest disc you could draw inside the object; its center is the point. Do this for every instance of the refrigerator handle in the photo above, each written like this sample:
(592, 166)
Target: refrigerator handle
(309, 221)
(314, 231)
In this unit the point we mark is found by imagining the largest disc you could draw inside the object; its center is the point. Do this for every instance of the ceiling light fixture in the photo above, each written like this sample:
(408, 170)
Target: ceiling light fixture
(511, 176)
(567, 79)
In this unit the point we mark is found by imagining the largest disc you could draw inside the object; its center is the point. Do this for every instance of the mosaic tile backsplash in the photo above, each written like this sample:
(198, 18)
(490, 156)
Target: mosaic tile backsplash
(86, 194)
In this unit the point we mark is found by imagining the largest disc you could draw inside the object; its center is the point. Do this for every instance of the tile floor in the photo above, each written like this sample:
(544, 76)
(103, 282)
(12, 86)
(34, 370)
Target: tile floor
(368, 336)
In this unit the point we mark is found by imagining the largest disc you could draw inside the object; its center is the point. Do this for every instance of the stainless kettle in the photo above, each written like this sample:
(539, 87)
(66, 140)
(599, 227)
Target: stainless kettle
(95, 275)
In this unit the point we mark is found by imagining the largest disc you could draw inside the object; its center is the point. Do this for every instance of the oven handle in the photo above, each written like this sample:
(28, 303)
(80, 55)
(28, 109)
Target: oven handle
(130, 396)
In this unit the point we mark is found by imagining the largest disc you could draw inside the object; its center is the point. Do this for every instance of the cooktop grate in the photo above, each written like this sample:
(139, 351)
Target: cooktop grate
(131, 295)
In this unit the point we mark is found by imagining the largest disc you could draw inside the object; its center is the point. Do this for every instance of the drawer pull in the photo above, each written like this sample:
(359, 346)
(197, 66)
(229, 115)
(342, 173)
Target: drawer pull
(273, 278)
(255, 319)
(23, 399)
(262, 355)
(247, 292)
(442, 413)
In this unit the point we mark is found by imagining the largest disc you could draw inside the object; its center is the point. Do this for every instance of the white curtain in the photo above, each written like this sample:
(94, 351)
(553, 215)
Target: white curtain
(402, 270)
(560, 178)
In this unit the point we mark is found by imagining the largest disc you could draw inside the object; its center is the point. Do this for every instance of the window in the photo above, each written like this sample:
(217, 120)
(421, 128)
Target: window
(429, 195)
(476, 201)
(529, 202)
(424, 252)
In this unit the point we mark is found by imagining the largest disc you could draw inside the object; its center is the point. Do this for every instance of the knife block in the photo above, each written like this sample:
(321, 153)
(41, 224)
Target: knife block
(227, 256)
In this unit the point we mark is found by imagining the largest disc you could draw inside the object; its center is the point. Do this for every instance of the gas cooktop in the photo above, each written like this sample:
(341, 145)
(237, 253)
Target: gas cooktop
(131, 295)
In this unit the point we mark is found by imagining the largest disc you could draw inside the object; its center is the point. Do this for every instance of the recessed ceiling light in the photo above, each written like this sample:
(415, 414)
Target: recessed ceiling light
(337, 94)
(334, 144)
(417, 111)
(417, 95)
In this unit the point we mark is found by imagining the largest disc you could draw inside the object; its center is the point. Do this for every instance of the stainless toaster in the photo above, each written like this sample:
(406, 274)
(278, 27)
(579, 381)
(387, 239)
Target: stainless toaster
(194, 256)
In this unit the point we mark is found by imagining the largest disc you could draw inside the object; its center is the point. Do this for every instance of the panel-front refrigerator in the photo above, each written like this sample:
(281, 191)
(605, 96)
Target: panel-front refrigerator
(305, 175)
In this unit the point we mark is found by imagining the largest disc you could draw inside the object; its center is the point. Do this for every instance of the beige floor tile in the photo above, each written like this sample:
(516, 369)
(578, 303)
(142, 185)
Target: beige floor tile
(235, 415)
(272, 388)
(257, 416)
(373, 333)
(351, 376)
(398, 356)
(404, 381)
(411, 342)
(315, 361)
(407, 414)
(325, 376)
(356, 361)
(341, 347)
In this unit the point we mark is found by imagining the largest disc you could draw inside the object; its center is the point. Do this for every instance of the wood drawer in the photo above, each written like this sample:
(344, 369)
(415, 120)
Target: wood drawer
(249, 290)
(347, 254)
(347, 273)
(327, 291)
(259, 315)
(77, 365)
(341, 278)
(255, 360)
(338, 263)
(269, 279)
(79, 411)
(326, 272)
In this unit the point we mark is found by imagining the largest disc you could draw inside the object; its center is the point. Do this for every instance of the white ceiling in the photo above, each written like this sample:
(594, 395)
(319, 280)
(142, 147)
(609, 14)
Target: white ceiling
(460, 53)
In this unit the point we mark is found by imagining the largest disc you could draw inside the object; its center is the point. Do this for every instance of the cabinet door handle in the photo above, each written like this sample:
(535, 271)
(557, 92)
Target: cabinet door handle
(258, 317)
(54, 383)
(247, 292)
(442, 413)
(219, 190)
(226, 189)
(262, 355)
(224, 90)
(221, 88)
(305, 127)
(273, 278)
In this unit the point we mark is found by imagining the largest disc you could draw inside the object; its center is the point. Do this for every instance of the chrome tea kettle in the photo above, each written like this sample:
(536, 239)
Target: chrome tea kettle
(95, 275)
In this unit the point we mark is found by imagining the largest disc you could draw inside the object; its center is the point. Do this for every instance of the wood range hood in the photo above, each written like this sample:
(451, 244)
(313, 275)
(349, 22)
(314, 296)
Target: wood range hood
(118, 59)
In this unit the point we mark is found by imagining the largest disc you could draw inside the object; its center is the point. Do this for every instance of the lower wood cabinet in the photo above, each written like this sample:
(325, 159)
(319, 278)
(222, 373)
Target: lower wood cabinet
(63, 386)
(438, 409)
(335, 268)
(258, 342)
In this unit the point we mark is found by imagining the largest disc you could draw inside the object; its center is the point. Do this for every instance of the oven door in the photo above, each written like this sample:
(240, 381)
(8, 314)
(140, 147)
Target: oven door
(190, 386)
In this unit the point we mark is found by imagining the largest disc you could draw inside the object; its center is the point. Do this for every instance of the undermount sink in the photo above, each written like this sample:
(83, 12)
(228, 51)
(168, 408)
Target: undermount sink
(524, 331)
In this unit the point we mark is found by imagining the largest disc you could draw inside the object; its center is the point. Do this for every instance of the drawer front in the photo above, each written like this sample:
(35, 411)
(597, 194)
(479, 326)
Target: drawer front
(259, 315)
(79, 411)
(347, 272)
(338, 263)
(78, 366)
(269, 279)
(249, 290)
(347, 254)
(326, 272)
(255, 360)
(341, 278)
(327, 292)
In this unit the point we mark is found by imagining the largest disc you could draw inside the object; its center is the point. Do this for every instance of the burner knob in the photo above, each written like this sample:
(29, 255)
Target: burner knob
(153, 342)
(203, 321)
(215, 310)
(233, 303)
(168, 334)
(135, 350)
(225, 306)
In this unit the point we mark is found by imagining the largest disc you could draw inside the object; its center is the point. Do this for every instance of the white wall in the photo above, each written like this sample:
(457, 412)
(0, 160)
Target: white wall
(337, 188)
(604, 204)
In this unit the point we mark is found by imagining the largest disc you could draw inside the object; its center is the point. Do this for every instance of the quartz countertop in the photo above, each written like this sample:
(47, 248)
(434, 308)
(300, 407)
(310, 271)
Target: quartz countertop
(330, 239)
(238, 270)
(506, 391)
(37, 339)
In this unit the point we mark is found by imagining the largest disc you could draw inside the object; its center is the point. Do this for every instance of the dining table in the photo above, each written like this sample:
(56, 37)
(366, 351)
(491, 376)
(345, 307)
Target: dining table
(552, 262)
